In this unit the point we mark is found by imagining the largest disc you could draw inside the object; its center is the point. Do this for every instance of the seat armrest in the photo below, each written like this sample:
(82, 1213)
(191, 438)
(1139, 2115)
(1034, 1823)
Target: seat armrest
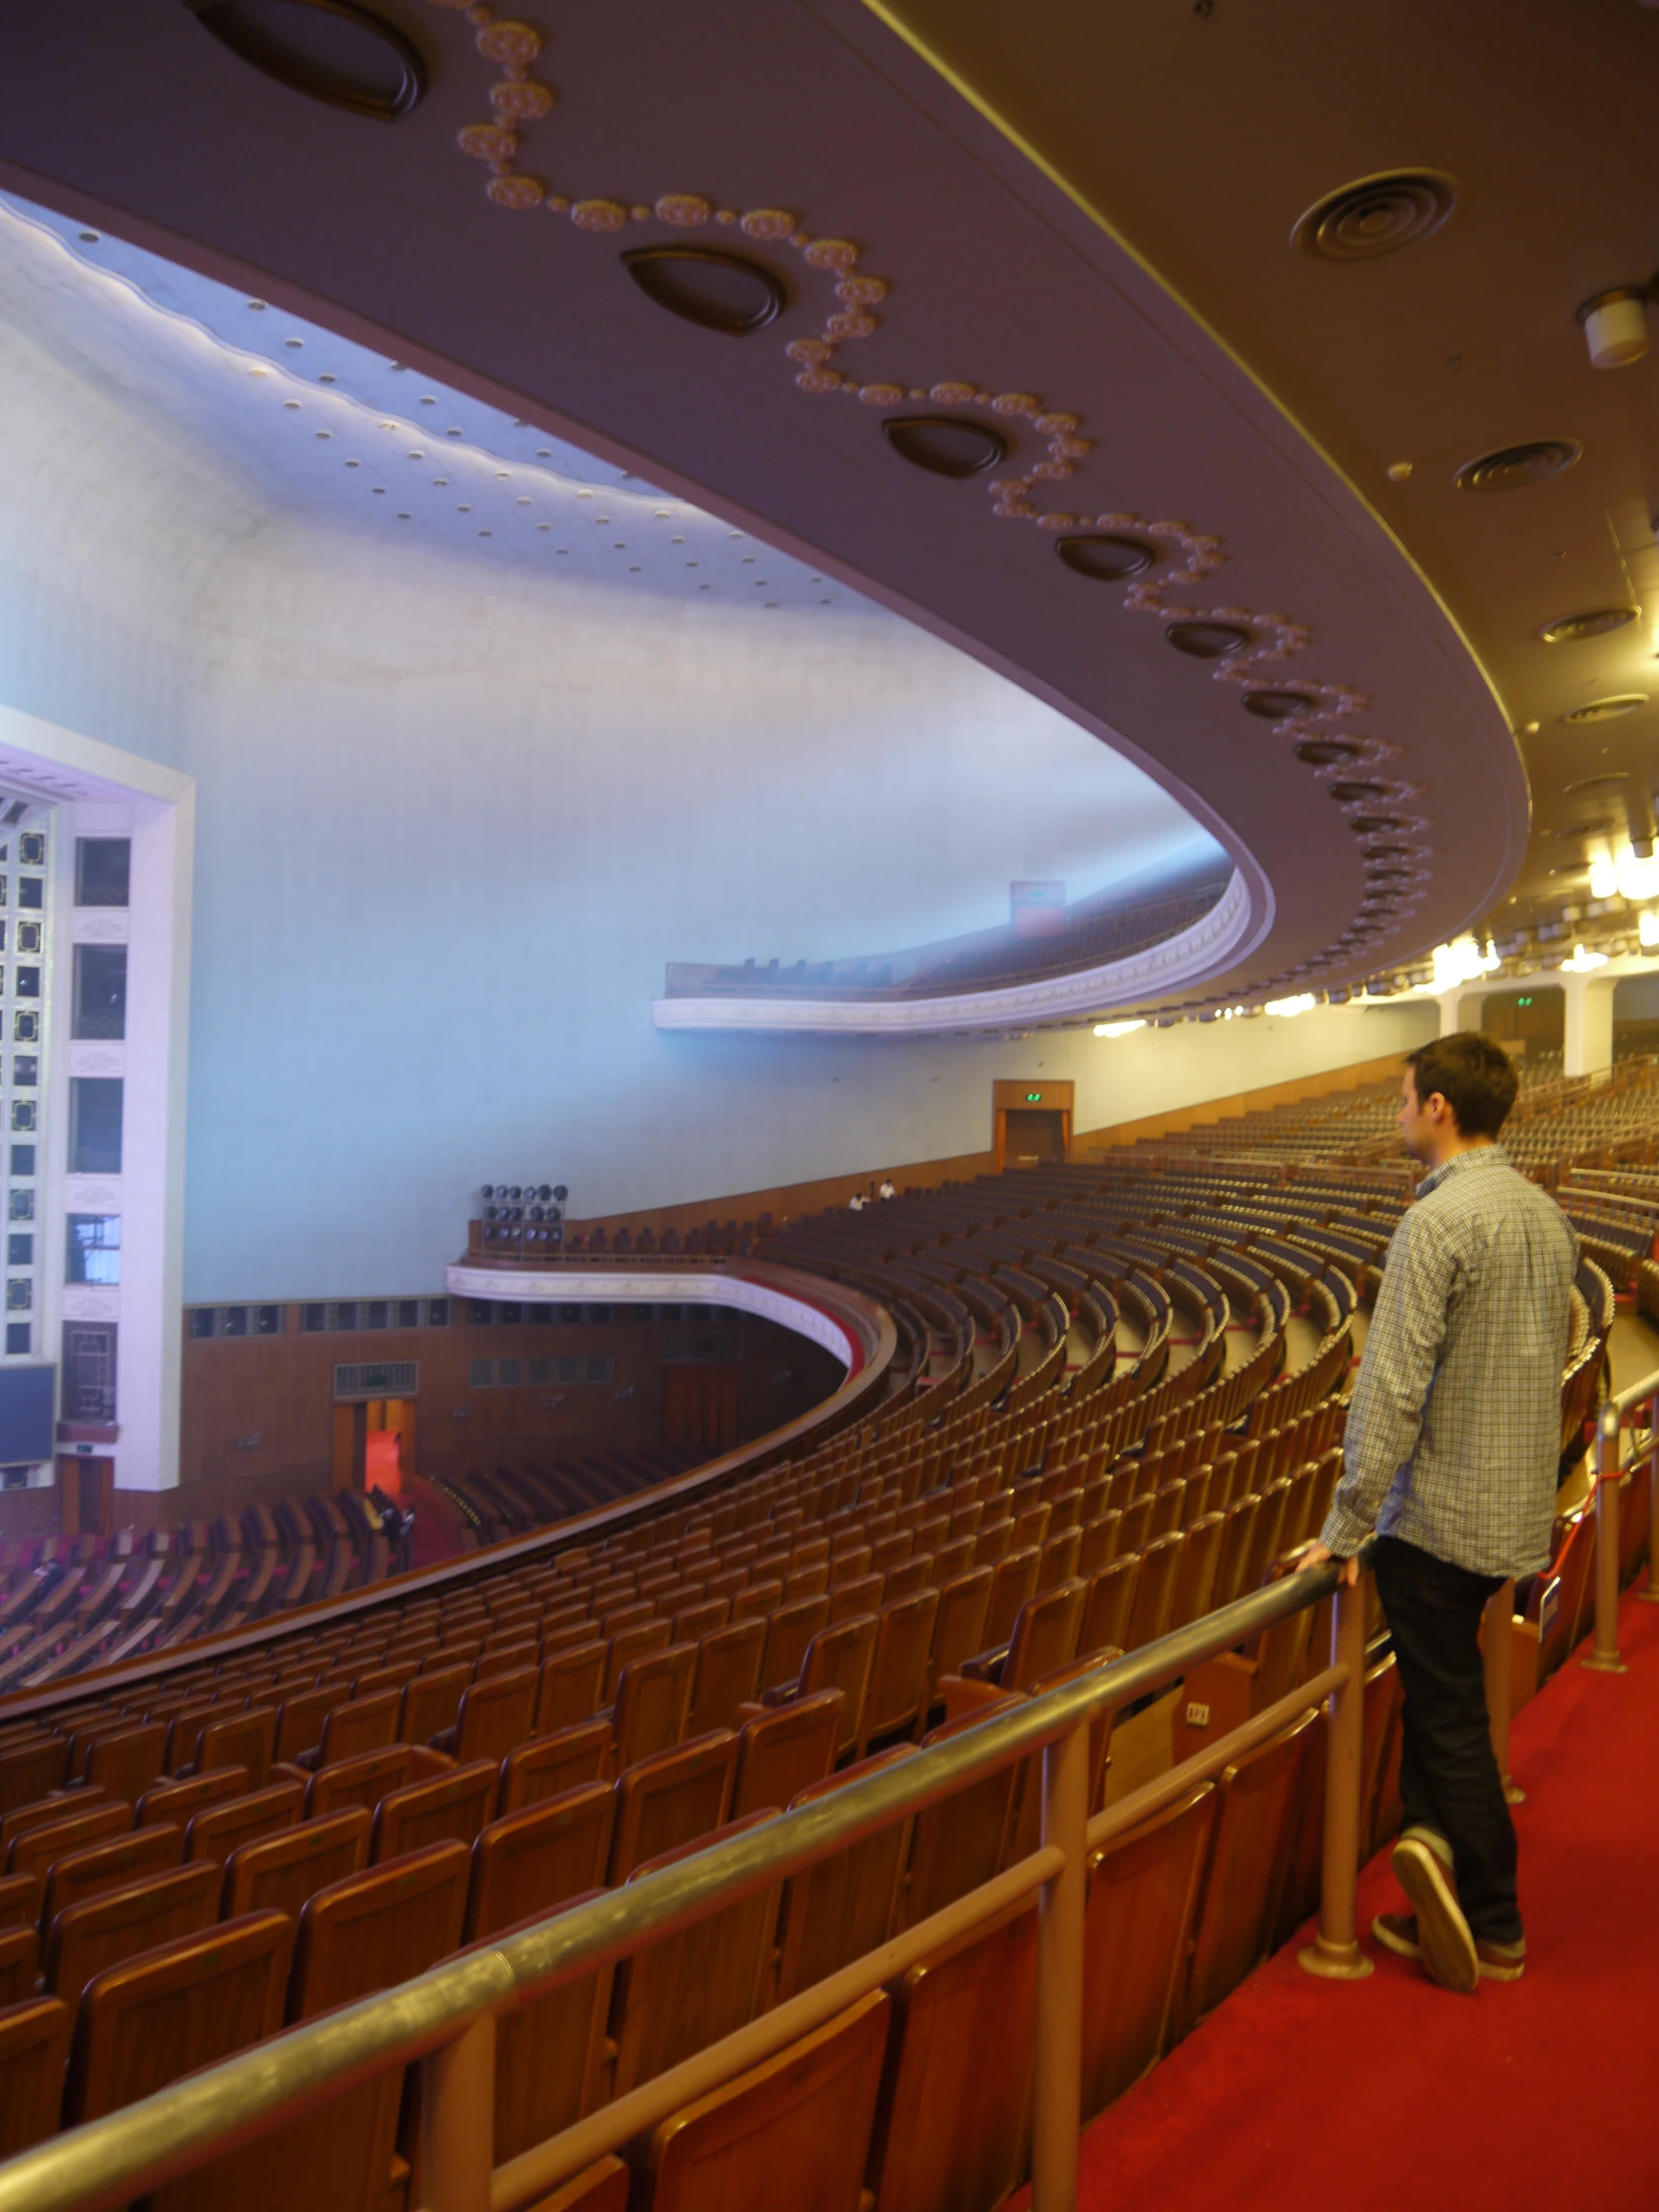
(285, 1770)
(985, 1666)
(962, 1695)
(752, 1710)
(426, 1760)
(443, 1741)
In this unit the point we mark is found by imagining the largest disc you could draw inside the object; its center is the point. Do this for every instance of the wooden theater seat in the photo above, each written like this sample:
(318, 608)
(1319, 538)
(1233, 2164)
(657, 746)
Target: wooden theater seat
(779, 1753)
(1256, 1802)
(807, 2111)
(375, 1929)
(547, 1765)
(47, 1812)
(456, 1804)
(1150, 1615)
(1106, 1610)
(728, 1675)
(1044, 1639)
(126, 1763)
(113, 1924)
(247, 1739)
(34, 1851)
(550, 2053)
(535, 1860)
(365, 1779)
(281, 1871)
(431, 1702)
(19, 1959)
(845, 1906)
(34, 2050)
(110, 1866)
(673, 1798)
(569, 1686)
(959, 1626)
(952, 2124)
(653, 1695)
(144, 2023)
(838, 1657)
(896, 1699)
(359, 1725)
(220, 1828)
(31, 1769)
(178, 1800)
(494, 1715)
(957, 1844)
(1143, 1894)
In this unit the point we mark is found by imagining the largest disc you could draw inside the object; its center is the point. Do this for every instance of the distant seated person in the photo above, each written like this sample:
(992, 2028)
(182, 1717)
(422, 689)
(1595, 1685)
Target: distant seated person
(856, 1203)
(887, 1191)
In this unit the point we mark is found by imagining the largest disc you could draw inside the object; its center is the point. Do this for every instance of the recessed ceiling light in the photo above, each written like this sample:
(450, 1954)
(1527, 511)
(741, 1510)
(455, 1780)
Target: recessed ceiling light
(428, 399)
(89, 237)
(721, 291)
(1609, 709)
(330, 50)
(944, 445)
(1106, 559)
(1345, 794)
(441, 483)
(1276, 706)
(524, 499)
(402, 514)
(291, 405)
(1207, 641)
(1568, 629)
(325, 376)
(294, 343)
(1514, 468)
(1324, 752)
(1376, 215)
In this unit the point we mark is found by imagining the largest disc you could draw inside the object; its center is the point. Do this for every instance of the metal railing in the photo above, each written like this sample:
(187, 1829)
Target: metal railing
(1613, 1469)
(445, 2018)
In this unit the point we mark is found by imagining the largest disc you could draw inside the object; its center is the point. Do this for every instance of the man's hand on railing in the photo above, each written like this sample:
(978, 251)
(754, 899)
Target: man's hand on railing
(1316, 1555)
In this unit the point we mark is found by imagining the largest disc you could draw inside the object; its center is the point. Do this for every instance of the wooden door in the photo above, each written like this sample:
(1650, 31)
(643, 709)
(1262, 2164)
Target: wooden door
(700, 1407)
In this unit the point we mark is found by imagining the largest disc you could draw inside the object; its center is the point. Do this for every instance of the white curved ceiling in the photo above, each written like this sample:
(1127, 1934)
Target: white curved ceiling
(994, 280)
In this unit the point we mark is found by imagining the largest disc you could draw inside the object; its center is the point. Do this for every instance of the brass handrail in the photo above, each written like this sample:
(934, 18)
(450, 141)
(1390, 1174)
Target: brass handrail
(108, 2161)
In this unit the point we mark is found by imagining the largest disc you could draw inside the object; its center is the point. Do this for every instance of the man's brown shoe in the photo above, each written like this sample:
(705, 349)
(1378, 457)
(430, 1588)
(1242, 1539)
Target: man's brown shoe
(1448, 1947)
(1397, 1931)
(1501, 1961)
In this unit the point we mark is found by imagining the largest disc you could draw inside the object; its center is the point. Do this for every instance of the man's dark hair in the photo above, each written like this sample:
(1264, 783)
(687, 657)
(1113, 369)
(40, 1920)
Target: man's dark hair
(1471, 1074)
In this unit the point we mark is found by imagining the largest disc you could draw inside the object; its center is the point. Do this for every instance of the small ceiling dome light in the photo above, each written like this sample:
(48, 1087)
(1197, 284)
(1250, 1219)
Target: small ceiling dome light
(1568, 629)
(1615, 327)
(1207, 641)
(1276, 706)
(721, 292)
(1117, 1028)
(1647, 927)
(1286, 1009)
(1514, 468)
(946, 445)
(1326, 752)
(330, 50)
(1376, 215)
(1108, 560)
(1607, 710)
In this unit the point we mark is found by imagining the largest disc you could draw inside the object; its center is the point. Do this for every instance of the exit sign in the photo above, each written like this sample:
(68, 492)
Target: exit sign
(1033, 1098)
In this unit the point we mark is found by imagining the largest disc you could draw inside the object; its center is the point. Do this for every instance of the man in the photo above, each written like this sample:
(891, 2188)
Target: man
(1451, 1455)
(886, 1192)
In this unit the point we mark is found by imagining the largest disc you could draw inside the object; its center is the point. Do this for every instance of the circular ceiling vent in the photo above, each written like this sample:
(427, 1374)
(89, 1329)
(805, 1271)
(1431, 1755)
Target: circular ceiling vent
(1595, 624)
(946, 445)
(330, 50)
(1276, 706)
(1514, 467)
(1324, 752)
(721, 292)
(1609, 709)
(1377, 215)
(1346, 794)
(1376, 826)
(1207, 641)
(1107, 560)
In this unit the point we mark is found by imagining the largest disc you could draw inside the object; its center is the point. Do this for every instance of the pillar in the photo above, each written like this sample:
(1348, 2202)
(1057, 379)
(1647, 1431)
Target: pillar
(1587, 1035)
(1460, 1008)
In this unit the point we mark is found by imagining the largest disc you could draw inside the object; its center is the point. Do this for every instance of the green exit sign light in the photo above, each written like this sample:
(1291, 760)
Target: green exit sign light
(1523, 1002)
(1033, 1098)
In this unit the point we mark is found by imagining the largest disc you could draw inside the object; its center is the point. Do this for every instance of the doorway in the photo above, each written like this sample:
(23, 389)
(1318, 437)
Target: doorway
(1033, 1135)
(374, 1445)
(700, 1401)
(85, 1497)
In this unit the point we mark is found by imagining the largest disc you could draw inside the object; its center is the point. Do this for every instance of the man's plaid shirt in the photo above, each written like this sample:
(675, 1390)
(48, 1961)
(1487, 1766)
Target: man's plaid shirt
(1455, 1433)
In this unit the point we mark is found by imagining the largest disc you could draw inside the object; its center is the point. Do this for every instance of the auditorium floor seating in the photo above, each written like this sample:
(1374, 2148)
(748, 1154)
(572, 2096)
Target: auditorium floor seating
(1121, 1407)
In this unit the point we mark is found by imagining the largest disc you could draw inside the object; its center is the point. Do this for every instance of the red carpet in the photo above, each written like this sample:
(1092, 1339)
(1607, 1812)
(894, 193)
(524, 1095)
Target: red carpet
(1392, 2094)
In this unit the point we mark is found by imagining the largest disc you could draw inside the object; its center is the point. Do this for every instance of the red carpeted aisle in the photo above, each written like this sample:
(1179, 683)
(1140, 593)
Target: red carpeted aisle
(1390, 2094)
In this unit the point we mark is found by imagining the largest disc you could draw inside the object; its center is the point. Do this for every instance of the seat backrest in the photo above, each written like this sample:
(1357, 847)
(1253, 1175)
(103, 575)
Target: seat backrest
(957, 1844)
(374, 1930)
(431, 1702)
(48, 1812)
(117, 1923)
(126, 1763)
(1100, 1543)
(1249, 1862)
(840, 1657)
(299, 1717)
(218, 1829)
(898, 1671)
(1168, 1501)
(455, 1805)
(762, 1598)
(691, 1623)
(1059, 1558)
(32, 1768)
(34, 2050)
(959, 1626)
(34, 1851)
(806, 2111)
(631, 1643)
(863, 1594)
(147, 2020)
(570, 1686)
(548, 2056)
(679, 1994)
(951, 2124)
(547, 1765)
(727, 1674)
(844, 1906)
(177, 1801)
(1143, 1891)
(672, 1798)
(1045, 1635)
(1134, 1530)
(184, 1731)
(790, 1629)
(281, 1871)
(652, 1696)
(245, 1740)
(1013, 1583)
(364, 1781)
(1195, 1580)
(111, 1865)
(362, 1723)
(19, 1962)
(1236, 1537)
(1106, 1610)
(783, 1751)
(1149, 1617)
(1264, 1537)
(537, 1860)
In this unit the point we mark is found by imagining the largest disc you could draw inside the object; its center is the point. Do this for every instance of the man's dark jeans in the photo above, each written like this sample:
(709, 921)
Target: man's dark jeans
(1449, 1776)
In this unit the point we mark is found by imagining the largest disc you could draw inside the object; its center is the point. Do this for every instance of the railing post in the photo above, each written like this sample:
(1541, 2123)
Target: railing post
(1499, 1662)
(1604, 1659)
(1650, 1593)
(457, 2117)
(1059, 2086)
(1335, 1953)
